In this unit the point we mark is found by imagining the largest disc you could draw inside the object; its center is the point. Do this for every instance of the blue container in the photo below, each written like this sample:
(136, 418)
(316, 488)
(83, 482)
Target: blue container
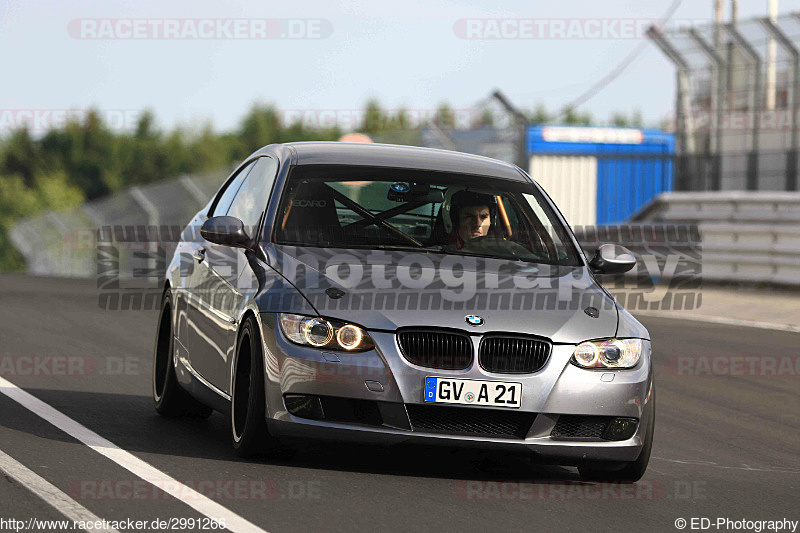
(633, 166)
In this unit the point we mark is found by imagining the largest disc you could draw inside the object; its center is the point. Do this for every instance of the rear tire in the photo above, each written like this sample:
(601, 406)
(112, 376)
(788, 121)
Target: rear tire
(169, 398)
(248, 399)
(629, 472)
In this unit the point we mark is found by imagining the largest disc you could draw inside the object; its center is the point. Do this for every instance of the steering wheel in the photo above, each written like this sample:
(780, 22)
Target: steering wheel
(487, 242)
(494, 243)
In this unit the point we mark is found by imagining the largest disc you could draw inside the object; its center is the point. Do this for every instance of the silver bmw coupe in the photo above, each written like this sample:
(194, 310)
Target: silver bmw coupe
(393, 294)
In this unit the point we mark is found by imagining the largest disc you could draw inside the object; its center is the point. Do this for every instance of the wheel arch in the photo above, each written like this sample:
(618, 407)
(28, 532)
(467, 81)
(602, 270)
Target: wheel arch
(247, 312)
(250, 311)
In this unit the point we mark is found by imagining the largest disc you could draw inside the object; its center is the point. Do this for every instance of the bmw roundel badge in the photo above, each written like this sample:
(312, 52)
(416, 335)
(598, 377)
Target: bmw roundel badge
(474, 320)
(400, 187)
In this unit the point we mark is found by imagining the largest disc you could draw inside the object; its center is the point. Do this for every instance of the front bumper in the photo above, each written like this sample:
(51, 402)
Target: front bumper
(557, 390)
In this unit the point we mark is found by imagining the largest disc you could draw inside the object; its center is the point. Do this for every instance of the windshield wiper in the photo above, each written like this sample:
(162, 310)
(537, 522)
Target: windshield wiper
(523, 259)
(395, 247)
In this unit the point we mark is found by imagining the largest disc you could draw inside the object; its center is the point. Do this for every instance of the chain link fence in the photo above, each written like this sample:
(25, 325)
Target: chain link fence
(65, 243)
(737, 103)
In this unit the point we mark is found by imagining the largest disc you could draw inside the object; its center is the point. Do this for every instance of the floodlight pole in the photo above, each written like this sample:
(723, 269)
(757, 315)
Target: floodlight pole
(522, 124)
(718, 96)
(784, 42)
(683, 122)
(755, 99)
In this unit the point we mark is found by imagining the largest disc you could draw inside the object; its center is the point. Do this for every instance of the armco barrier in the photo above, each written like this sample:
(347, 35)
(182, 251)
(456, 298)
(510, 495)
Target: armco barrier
(751, 237)
(63, 243)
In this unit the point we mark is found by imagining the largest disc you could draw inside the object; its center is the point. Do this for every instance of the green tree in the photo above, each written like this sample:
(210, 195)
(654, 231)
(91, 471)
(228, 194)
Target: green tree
(89, 156)
(485, 120)
(445, 118)
(55, 191)
(144, 156)
(637, 120)
(179, 158)
(619, 119)
(17, 200)
(374, 117)
(261, 126)
(21, 156)
(540, 115)
(397, 121)
(209, 151)
(573, 117)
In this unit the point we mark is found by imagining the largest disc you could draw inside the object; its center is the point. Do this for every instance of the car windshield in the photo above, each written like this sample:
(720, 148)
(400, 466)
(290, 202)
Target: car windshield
(340, 206)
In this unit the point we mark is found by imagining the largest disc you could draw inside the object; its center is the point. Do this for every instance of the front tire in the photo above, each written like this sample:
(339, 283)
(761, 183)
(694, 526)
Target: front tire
(248, 398)
(169, 398)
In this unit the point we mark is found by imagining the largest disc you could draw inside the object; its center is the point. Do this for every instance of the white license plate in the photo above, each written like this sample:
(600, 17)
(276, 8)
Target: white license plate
(473, 392)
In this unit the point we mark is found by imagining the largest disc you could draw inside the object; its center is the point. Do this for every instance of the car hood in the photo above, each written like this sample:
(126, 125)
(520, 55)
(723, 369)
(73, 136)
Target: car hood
(386, 290)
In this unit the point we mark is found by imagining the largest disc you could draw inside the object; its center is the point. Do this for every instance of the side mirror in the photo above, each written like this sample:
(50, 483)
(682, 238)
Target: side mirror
(612, 259)
(227, 231)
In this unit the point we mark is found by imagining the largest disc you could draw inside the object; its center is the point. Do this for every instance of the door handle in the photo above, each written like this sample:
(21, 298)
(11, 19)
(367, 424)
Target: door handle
(200, 255)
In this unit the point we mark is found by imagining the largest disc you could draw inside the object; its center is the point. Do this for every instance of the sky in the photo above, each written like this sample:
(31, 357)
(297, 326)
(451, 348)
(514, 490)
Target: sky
(410, 54)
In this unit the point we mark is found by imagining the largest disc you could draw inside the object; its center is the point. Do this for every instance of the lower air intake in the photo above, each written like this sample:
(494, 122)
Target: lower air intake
(580, 427)
(469, 421)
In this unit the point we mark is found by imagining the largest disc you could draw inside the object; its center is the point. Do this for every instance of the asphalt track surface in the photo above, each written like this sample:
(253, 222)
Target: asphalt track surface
(726, 441)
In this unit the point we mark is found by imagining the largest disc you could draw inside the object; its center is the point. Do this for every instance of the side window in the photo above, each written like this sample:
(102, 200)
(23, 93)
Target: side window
(253, 195)
(225, 199)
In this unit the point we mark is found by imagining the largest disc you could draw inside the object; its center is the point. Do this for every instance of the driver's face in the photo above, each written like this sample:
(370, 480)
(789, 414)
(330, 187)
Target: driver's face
(473, 222)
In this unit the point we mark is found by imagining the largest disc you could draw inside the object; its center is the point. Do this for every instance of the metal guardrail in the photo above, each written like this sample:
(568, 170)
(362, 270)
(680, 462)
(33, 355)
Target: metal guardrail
(64, 243)
(751, 237)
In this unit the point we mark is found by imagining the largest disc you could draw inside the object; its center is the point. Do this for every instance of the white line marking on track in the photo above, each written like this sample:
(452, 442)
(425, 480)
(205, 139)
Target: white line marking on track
(128, 461)
(48, 492)
(720, 320)
(711, 464)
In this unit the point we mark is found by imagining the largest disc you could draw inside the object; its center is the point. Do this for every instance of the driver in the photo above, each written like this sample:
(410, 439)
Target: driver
(472, 217)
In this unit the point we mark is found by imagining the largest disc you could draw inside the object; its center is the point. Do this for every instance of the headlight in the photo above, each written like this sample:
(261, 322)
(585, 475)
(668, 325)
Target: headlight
(317, 332)
(350, 337)
(611, 353)
(325, 333)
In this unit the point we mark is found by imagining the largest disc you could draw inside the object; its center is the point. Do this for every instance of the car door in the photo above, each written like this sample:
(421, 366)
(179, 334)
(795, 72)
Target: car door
(197, 277)
(211, 345)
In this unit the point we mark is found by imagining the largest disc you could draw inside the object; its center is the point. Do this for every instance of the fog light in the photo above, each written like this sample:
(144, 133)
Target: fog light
(304, 406)
(621, 429)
